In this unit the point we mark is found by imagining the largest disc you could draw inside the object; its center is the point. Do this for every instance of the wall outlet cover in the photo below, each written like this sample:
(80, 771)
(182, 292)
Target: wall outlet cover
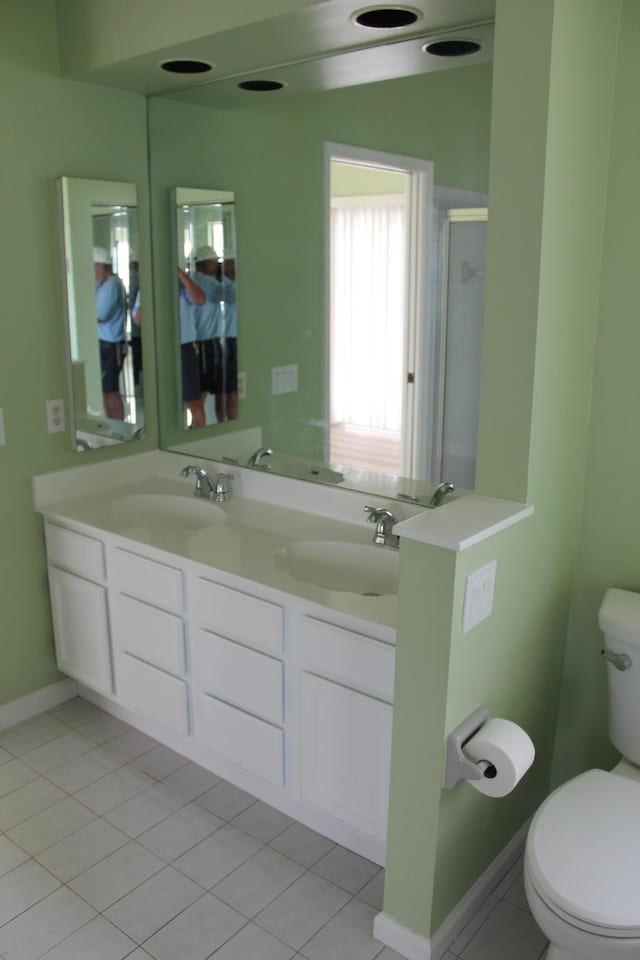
(478, 596)
(55, 416)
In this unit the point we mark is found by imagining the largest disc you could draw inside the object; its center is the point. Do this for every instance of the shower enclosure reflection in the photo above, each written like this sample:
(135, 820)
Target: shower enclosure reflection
(104, 311)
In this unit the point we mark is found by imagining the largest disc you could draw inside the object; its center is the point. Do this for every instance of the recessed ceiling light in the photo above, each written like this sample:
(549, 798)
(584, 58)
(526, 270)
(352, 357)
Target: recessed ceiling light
(387, 17)
(261, 86)
(452, 48)
(186, 66)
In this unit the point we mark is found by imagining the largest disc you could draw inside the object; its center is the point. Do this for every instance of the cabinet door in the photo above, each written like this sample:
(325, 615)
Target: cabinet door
(81, 629)
(346, 754)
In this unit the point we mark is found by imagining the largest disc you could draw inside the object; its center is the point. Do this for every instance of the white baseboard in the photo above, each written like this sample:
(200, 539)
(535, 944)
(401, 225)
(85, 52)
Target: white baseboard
(416, 947)
(401, 939)
(17, 711)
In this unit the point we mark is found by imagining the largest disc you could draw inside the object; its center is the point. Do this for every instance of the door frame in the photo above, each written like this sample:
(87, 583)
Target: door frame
(417, 340)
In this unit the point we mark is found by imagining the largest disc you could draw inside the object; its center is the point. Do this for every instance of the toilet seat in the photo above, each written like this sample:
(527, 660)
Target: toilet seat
(583, 853)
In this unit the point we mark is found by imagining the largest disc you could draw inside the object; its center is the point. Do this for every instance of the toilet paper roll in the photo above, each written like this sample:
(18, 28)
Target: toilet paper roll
(504, 753)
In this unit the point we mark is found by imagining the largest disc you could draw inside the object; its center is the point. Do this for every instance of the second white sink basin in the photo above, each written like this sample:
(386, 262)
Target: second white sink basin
(369, 570)
(162, 510)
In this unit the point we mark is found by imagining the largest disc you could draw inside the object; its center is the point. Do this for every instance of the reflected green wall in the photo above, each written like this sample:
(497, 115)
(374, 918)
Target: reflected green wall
(273, 161)
(53, 128)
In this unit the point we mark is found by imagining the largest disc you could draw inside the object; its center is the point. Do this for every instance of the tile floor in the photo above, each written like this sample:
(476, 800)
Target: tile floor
(114, 846)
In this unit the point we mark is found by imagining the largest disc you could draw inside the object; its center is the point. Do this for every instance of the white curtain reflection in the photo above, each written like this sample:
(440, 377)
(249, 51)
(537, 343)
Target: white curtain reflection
(368, 262)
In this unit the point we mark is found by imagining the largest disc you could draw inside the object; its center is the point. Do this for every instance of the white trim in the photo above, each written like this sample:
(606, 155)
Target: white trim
(24, 708)
(401, 939)
(415, 947)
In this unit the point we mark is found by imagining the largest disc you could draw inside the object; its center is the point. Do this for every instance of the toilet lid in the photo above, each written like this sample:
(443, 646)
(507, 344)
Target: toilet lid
(583, 851)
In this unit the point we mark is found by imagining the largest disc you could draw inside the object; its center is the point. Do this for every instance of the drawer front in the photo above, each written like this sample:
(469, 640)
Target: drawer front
(148, 633)
(247, 741)
(244, 677)
(148, 580)
(152, 692)
(351, 658)
(75, 551)
(239, 616)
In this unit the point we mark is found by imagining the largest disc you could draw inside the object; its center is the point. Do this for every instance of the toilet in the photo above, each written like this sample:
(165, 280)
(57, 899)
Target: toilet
(582, 858)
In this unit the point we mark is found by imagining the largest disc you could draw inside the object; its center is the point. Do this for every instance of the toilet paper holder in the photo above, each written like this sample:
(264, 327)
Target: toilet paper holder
(457, 767)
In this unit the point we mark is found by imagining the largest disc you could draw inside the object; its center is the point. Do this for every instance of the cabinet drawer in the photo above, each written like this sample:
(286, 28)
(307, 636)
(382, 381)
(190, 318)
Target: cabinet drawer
(247, 741)
(148, 580)
(152, 692)
(75, 551)
(239, 616)
(148, 633)
(244, 677)
(351, 658)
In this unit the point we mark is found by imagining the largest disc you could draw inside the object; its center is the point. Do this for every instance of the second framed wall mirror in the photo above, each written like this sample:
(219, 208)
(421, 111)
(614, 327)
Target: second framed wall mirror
(100, 232)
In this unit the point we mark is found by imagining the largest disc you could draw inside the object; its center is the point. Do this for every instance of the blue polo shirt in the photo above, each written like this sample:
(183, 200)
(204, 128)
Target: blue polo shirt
(111, 309)
(230, 315)
(209, 315)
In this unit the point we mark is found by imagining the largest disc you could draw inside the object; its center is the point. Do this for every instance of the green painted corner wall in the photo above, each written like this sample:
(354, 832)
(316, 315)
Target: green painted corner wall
(56, 128)
(273, 161)
(609, 545)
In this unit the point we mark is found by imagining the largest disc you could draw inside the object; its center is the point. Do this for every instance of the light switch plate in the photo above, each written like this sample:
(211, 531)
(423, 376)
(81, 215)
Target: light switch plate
(55, 416)
(242, 386)
(284, 379)
(478, 596)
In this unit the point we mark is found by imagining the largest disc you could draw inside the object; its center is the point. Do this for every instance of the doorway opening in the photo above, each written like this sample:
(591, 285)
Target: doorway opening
(377, 242)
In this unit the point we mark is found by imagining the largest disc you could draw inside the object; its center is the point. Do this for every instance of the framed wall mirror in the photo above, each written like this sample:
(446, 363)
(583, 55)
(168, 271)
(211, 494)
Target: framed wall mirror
(100, 232)
(275, 151)
(206, 308)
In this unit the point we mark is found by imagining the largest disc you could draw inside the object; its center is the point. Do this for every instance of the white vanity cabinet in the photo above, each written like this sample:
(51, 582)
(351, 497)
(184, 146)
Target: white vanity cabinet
(289, 699)
(76, 567)
(346, 696)
(148, 634)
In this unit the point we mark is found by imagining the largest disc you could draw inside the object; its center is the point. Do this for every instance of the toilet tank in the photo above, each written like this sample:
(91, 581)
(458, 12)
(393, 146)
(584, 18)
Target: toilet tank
(619, 620)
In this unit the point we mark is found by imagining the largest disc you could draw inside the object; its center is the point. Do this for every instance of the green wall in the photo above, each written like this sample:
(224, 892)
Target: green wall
(610, 534)
(551, 132)
(52, 128)
(273, 161)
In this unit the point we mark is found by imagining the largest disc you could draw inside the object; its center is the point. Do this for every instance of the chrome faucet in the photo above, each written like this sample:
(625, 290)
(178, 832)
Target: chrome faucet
(384, 521)
(223, 491)
(202, 479)
(255, 460)
(440, 493)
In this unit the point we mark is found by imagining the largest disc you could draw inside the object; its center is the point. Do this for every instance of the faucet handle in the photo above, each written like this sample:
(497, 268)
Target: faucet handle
(223, 490)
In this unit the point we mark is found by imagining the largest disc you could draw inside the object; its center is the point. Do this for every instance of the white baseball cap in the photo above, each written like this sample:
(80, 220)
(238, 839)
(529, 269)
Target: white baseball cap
(205, 253)
(101, 255)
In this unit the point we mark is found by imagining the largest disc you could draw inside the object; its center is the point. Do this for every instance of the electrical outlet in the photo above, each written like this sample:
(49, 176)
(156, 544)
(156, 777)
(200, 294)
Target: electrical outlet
(242, 386)
(478, 596)
(55, 416)
(284, 379)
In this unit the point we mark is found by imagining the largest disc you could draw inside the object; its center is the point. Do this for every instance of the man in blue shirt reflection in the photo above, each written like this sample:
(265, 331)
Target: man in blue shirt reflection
(111, 312)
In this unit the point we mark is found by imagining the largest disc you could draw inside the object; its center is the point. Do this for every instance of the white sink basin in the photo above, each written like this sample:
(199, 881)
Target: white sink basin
(369, 570)
(164, 511)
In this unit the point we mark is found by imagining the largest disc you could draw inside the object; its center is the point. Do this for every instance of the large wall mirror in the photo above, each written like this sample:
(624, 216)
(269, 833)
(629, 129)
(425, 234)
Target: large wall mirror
(99, 221)
(206, 311)
(386, 403)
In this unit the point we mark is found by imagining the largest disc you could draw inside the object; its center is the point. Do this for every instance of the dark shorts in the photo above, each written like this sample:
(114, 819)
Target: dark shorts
(111, 360)
(190, 372)
(231, 365)
(210, 365)
(136, 349)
